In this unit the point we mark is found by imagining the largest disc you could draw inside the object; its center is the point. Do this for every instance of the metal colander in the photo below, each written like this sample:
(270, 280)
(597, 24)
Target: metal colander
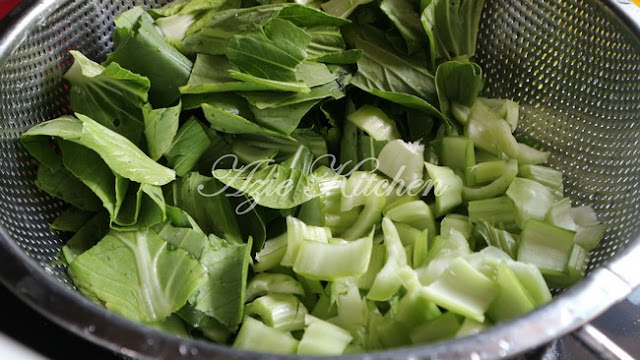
(573, 65)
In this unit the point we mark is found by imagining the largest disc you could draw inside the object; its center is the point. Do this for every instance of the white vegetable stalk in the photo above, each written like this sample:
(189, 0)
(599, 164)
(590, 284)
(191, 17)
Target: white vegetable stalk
(403, 162)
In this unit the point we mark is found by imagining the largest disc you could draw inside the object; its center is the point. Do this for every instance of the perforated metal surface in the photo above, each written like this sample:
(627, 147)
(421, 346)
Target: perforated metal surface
(577, 77)
(32, 90)
(571, 65)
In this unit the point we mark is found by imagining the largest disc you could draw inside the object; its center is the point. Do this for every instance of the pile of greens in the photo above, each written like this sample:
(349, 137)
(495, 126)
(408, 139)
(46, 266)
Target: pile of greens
(316, 177)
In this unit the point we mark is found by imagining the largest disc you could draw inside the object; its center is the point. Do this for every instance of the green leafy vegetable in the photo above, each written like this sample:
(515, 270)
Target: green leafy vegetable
(382, 69)
(405, 16)
(273, 54)
(452, 28)
(110, 95)
(160, 128)
(63, 185)
(157, 280)
(322, 126)
(190, 143)
(122, 156)
(222, 297)
(164, 66)
(273, 186)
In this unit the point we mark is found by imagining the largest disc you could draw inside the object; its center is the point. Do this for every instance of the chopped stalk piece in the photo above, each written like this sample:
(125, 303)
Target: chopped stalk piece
(470, 327)
(590, 231)
(509, 110)
(368, 218)
(447, 188)
(377, 261)
(590, 236)
(408, 234)
(531, 278)
(443, 251)
(402, 162)
(326, 261)
(361, 186)
(559, 214)
(578, 261)
(499, 212)
(351, 306)
(500, 239)
(460, 113)
(463, 290)
(393, 333)
(375, 123)
(280, 311)
(387, 282)
(531, 199)
(442, 327)
(324, 308)
(420, 249)
(368, 151)
(496, 188)
(272, 283)
(457, 153)
(272, 253)
(485, 172)
(414, 307)
(513, 299)
(491, 133)
(584, 216)
(546, 246)
(456, 222)
(415, 213)
(546, 176)
(256, 336)
(323, 338)
(297, 233)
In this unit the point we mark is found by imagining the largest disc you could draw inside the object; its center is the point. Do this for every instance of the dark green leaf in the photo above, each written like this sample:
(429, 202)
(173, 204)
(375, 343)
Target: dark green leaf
(210, 327)
(228, 122)
(405, 16)
(160, 127)
(222, 297)
(203, 198)
(213, 74)
(458, 82)
(62, 184)
(211, 34)
(71, 220)
(87, 236)
(141, 48)
(190, 143)
(452, 28)
(273, 54)
(381, 69)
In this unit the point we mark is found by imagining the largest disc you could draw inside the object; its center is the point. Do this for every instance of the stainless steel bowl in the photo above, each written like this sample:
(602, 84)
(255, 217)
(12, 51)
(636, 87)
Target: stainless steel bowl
(573, 65)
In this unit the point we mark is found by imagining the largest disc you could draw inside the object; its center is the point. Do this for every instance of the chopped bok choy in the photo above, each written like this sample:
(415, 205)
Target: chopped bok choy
(286, 177)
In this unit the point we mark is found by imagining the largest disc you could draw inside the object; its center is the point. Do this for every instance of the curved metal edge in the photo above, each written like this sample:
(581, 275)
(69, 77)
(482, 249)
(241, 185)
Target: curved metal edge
(628, 12)
(625, 265)
(28, 281)
(15, 27)
(566, 312)
(72, 311)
